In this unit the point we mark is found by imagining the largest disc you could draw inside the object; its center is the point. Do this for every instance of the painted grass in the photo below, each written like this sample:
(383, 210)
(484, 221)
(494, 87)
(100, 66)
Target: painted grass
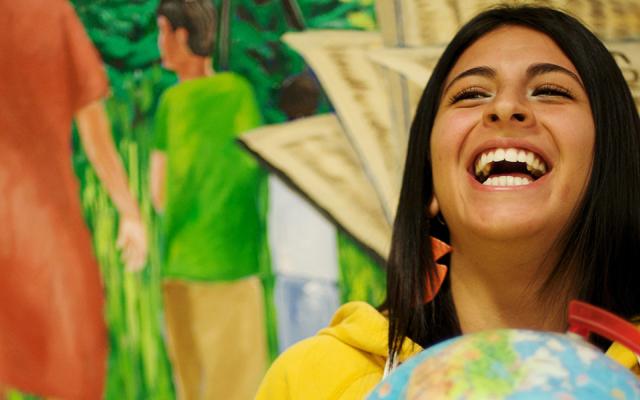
(138, 366)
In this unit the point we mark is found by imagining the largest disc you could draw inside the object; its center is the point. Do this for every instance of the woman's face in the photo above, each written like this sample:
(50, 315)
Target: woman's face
(512, 142)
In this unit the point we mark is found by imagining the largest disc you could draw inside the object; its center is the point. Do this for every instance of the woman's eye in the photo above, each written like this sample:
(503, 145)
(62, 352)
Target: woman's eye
(468, 94)
(552, 91)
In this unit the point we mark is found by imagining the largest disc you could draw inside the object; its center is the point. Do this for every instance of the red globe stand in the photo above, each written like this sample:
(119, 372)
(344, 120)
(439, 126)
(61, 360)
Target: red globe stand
(585, 318)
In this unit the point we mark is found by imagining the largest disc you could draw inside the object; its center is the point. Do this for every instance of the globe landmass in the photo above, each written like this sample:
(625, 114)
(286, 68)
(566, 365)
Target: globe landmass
(510, 364)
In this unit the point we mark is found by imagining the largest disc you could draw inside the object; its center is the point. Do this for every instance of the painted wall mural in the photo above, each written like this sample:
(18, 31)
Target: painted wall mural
(125, 36)
(280, 216)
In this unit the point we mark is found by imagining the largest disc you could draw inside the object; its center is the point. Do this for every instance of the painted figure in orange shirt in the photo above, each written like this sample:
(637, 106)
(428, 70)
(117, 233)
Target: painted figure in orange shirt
(53, 338)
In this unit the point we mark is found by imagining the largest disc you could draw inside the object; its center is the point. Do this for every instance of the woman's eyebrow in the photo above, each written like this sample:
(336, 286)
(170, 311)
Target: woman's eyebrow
(485, 71)
(533, 70)
(544, 68)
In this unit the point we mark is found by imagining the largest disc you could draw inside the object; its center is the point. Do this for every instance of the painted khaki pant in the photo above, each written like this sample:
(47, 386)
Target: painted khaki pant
(216, 337)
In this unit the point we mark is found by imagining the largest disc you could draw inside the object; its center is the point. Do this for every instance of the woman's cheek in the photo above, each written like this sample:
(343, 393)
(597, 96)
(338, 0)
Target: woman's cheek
(453, 126)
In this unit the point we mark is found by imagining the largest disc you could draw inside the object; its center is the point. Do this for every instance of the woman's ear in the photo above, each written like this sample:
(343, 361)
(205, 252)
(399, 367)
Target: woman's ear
(434, 208)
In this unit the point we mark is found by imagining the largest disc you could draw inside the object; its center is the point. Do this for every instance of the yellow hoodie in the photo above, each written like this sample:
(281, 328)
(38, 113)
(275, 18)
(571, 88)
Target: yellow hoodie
(343, 361)
(346, 360)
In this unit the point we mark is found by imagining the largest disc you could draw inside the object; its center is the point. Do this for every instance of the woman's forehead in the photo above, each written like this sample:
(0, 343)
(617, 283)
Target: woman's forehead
(511, 47)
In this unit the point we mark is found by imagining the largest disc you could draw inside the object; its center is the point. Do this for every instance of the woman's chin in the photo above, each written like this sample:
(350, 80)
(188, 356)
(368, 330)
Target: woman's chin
(504, 226)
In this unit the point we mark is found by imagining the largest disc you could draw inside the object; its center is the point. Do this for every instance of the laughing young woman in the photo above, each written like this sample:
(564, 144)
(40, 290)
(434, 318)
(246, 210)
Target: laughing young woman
(524, 157)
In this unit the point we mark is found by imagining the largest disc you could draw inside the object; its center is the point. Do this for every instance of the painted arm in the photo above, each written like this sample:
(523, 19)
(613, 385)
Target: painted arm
(95, 133)
(157, 179)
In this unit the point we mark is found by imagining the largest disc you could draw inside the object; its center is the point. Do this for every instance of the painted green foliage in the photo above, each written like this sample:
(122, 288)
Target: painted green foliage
(361, 278)
(259, 54)
(125, 34)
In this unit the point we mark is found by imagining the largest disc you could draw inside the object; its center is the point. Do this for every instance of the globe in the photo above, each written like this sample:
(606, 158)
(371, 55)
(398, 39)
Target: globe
(510, 364)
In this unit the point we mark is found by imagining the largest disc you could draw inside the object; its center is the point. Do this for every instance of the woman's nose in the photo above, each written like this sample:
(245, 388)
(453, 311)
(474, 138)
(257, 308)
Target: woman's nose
(509, 109)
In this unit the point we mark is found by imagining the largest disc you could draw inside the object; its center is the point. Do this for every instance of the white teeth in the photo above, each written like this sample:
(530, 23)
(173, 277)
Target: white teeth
(506, 180)
(536, 166)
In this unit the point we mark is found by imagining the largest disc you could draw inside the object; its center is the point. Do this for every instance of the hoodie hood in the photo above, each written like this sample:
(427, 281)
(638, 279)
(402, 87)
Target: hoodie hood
(362, 327)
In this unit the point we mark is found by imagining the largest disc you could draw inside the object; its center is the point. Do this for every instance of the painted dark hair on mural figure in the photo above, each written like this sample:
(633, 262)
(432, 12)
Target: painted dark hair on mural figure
(198, 17)
(599, 246)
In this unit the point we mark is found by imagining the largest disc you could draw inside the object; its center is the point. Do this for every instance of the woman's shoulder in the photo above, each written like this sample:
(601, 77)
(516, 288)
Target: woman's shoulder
(340, 361)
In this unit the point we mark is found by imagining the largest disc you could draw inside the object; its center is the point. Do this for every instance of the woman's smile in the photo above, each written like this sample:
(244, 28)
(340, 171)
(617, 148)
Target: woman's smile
(509, 166)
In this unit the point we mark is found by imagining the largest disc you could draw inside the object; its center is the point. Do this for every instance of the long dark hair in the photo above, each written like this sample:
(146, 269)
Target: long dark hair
(598, 248)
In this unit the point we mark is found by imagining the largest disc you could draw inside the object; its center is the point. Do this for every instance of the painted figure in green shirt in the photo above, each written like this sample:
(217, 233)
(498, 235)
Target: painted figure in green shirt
(212, 218)
(212, 198)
